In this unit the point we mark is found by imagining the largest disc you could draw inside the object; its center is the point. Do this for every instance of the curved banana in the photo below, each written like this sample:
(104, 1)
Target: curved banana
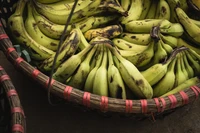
(152, 12)
(68, 48)
(115, 81)
(140, 38)
(34, 31)
(166, 47)
(16, 26)
(189, 69)
(193, 63)
(175, 30)
(163, 10)
(60, 16)
(68, 67)
(167, 82)
(48, 1)
(100, 85)
(134, 11)
(170, 40)
(125, 4)
(146, 8)
(78, 79)
(132, 77)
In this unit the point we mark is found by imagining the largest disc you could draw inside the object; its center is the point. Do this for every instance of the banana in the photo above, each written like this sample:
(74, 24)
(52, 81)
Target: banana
(163, 10)
(78, 79)
(134, 11)
(194, 54)
(60, 16)
(140, 58)
(145, 26)
(188, 83)
(192, 30)
(35, 33)
(107, 32)
(197, 22)
(152, 11)
(142, 39)
(115, 82)
(183, 67)
(125, 45)
(101, 21)
(132, 77)
(68, 67)
(193, 63)
(173, 4)
(146, 7)
(189, 69)
(98, 57)
(167, 82)
(167, 47)
(175, 30)
(100, 85)
(16, 26)
(84, 43)
(68, 48)
(156, 72)
(48, 1)
(125, 4)
(170, 40)
(182, 42)
(180, 76)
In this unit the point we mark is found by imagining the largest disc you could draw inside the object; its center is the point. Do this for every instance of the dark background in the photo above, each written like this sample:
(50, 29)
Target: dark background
(42, 117)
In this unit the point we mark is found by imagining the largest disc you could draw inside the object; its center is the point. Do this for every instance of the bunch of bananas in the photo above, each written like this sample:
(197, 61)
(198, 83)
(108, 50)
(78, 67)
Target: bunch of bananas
(127, 49)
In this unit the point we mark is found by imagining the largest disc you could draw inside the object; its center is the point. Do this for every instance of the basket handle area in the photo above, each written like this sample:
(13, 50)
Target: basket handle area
(89, 100)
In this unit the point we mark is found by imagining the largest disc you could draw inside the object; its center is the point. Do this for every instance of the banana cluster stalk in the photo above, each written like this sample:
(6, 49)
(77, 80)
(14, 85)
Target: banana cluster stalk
(127, 49)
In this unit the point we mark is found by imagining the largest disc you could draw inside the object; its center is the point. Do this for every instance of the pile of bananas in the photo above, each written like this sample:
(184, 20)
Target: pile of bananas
(128, 49)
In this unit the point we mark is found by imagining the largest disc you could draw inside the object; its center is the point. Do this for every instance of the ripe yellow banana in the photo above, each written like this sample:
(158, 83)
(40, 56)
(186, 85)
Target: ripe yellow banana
(16, 26)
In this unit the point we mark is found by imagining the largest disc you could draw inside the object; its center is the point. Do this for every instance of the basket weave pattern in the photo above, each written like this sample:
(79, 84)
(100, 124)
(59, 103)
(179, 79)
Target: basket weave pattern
(70, 94)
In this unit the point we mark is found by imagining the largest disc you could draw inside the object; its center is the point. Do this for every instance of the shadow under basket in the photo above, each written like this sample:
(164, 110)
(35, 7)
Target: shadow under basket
(12, 118)
(141, 108)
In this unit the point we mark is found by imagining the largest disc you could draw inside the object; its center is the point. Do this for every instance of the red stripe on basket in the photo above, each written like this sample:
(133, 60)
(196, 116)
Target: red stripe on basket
(47, 83)
(129, 104)
(157, 104)
(9, 50)
(3, 36)
(35, 73)
(67, 92)
(18, 128)
(11, 93)
(1, 68)
(163, 104)
(18, 61)
(4, 77)
(104, 103)
(17, 110)
(173, 100)
(197, 88)
(195, 91)
(184, 97)
(86, 99)
(144, 106)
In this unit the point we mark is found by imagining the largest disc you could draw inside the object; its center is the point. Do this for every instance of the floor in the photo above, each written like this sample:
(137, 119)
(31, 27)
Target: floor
(66, 118)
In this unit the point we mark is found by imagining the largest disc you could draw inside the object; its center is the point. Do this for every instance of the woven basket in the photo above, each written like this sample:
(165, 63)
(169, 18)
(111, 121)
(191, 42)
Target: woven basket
(143, 107)
(12, 118)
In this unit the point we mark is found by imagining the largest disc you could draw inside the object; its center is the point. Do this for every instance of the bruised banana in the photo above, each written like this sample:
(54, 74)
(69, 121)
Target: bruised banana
(67, 68)
(34, 31)
(115, 82)
(68, 48)
(163, 10)
(132, 77)
(107, 32)
(16, 26)
(78, 79)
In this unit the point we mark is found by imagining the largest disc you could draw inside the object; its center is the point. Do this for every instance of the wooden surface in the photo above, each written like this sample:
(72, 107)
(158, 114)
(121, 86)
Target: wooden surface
(65, 118)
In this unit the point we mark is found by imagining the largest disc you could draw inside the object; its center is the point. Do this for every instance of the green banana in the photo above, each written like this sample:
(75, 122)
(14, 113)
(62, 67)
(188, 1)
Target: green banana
(167, 82)
(146, 8)
(115, 81)
(188, 83)
(125, 45)
(134, 12)
(16, 26)
(35, 33)
(125, 4)
(152, 12)
(132, 77)
(67, 68)
(68, 48)
(175, 30)
(163, 10)
(189, 69)
(183, 67)
(170, 40)
(142, 39)
(48, 1)
(79, 77)
(100, 85)
(167, 47)
(98, 57)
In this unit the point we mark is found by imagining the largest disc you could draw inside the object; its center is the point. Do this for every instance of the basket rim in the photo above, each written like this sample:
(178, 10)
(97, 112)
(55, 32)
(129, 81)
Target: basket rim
(103, 103)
